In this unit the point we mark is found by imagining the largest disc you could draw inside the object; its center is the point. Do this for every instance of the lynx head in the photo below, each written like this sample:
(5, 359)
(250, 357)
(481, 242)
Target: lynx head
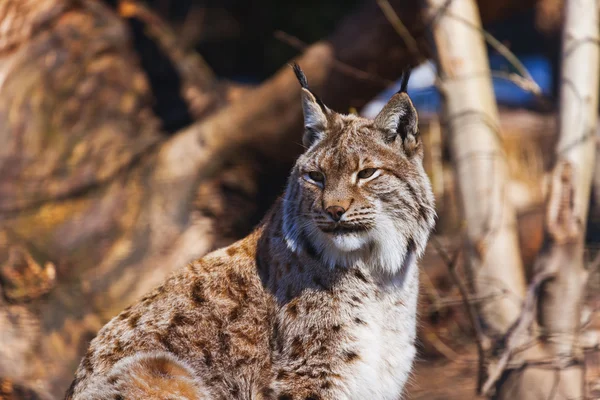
(359, 192)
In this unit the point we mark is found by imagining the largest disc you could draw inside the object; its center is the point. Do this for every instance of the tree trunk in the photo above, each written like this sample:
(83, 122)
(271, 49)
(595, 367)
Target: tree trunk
(561, 300)
(555, 369)
(537, 330)
(470, 116)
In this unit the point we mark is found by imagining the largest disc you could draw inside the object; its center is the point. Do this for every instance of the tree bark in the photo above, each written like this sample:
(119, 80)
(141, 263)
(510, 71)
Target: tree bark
(470, 116)
(537, 330)
(561, 299)
(561, 375)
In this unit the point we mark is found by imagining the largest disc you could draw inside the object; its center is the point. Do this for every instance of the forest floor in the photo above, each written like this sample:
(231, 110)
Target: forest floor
(445, 379)
(447, 365)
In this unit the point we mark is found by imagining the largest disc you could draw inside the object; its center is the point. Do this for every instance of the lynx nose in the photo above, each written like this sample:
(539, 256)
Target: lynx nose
(335, 212)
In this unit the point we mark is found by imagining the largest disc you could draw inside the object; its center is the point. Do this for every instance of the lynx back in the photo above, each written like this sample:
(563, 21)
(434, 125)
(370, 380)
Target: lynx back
(318, 303)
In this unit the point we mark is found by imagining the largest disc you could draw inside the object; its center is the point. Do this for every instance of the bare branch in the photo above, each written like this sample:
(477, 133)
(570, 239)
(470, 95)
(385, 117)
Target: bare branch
(344, 68)
(472, 124)
(400, 28)
(480, 338)
(519, 332)
(531, 84)
(523, 83)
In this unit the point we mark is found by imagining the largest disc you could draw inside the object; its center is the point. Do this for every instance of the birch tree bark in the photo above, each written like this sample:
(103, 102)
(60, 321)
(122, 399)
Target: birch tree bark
(561, 299)
(470, 117)
(556, 367)
(536, 330)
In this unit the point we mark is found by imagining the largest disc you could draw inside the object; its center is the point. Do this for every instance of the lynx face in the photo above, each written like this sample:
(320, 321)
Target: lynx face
(359, 192)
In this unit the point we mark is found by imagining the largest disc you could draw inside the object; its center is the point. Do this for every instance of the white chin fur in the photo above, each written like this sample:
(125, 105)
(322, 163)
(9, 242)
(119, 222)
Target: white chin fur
(384, 247)
(348, 242)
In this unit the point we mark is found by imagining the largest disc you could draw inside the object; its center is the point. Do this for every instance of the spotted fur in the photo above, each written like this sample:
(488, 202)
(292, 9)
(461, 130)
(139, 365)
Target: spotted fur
(314, 304)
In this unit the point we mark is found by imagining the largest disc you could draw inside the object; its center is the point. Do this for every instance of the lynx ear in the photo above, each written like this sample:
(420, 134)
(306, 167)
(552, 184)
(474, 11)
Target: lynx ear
(399, 120)
(315, 112)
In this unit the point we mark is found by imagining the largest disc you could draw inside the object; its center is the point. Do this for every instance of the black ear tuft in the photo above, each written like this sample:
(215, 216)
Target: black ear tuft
(300, 75)
(403, 80)
(399, 119)
(304, 83)
(315, 112)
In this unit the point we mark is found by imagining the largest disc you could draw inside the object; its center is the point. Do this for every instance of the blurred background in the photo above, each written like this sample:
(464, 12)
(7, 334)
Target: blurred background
(136, 136)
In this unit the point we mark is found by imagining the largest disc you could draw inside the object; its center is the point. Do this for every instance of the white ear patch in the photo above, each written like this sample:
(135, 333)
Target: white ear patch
(315, 119)
(399, 118)
(390, 120)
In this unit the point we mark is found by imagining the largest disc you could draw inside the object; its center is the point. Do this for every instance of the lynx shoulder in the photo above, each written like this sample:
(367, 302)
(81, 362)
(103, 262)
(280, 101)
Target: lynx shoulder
(319, 302)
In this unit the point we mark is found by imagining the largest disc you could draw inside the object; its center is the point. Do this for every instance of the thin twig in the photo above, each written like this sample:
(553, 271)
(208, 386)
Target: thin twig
(445, 302)
(530, 84)
(523, 83)
(555, 384)
(439, 248)
(438, 13)
(505, 52)
(595, 264)
(431, 290)
(519, 330)
(442, 347)
(471, 312)
(400, 28)
(192, 27)
(337, 64)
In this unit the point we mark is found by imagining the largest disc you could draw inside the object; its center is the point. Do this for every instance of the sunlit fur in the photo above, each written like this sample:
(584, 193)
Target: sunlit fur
(150, 376)
(393, 210)
(304, 307)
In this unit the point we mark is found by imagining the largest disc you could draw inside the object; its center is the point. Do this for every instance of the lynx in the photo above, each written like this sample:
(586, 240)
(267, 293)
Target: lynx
(319, 302)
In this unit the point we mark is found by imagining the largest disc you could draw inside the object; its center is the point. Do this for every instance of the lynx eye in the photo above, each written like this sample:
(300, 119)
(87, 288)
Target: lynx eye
(316, 176)
(366, 173)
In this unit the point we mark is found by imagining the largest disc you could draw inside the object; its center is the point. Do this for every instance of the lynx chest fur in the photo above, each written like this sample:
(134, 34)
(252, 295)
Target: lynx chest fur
(318, 303)
(359, 327)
